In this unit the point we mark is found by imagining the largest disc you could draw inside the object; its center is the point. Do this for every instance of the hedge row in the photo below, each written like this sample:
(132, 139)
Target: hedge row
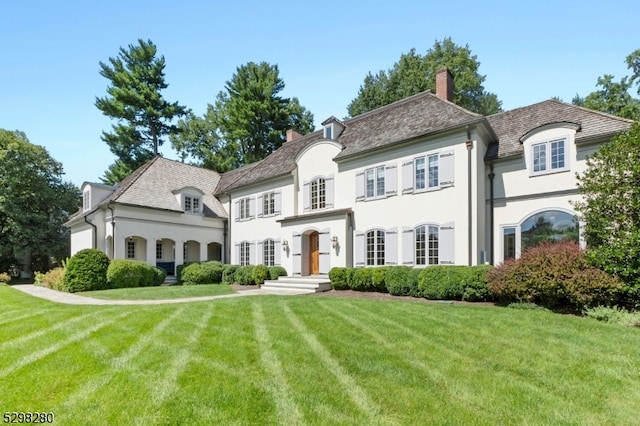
(213, 272)
(435, 282)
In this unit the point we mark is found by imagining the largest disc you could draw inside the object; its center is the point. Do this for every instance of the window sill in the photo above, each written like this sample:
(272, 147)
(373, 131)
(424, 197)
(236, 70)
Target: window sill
(551, 172)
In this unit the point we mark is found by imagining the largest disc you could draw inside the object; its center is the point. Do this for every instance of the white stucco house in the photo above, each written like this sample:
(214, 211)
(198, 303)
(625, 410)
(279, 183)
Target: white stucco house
(418, 182)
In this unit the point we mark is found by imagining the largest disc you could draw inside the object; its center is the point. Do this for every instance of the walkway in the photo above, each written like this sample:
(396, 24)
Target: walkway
(74, 299)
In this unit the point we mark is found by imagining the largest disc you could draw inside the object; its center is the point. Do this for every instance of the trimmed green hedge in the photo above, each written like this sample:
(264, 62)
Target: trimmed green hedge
(229, 273)
(277, 271)
(126, 273)
(243, 275)
(434, 282)
(259, 274)
(209, 272)
(86, 270)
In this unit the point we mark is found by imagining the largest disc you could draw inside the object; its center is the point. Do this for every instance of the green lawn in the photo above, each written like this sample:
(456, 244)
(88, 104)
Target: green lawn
(313, 360)
(162, 292)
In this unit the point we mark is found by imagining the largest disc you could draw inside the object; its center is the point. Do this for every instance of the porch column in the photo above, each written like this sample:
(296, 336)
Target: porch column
(203, 251)
(151, 251)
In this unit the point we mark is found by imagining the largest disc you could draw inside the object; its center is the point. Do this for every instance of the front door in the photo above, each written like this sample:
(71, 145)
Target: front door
(314, 253)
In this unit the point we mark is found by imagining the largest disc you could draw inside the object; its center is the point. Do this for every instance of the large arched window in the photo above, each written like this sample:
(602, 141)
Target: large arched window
(375, 247)
(548, 225)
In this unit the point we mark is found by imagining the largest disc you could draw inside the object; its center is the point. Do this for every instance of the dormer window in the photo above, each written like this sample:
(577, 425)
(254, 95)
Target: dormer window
(549, 156)
(86, 200)
(191, 204)
(328, 131)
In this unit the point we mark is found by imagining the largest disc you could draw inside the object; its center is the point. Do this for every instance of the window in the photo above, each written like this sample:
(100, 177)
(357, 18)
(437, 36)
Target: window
(245, 208)
(268, 253)
(328, 132)
(548, 157)
(318, 194)
(375, 247)
(269, 203)
(245, 253)
(191, 204)
(159, 252)
(86, 200)
(428, 172)
(131, 249)
(426, 245)
(509, 243)
(375, 182)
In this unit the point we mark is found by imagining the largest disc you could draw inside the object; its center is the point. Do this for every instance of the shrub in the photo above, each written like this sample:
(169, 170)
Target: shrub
(5, 278)
(243, 275)
(615, 315)
(402, 281)
(361, 279)
(338, 278)
(53, 279)
(179, 269)
(202, 273)
(86, 270)
(259, 273)
(126, 273)
(378, 275)
(555, 275)
(476, 288)
(159, 275)
(228, 274)
(277, 271)
(441, 282)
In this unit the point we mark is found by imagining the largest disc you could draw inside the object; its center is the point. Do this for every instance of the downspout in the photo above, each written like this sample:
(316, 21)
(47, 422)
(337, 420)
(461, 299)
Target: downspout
(95, 233)
(113, 232)
(469, 144)
(227, 234)
(492, 175)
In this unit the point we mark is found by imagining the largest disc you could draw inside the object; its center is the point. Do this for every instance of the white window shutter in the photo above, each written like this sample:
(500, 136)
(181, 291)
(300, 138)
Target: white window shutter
(391, 246)
(446, 244)
(446, 168)
(277, 248)
(296, 243)
(252, 207)
(407, 176)
(278, 202)
(328, 191)
(237, 253)
(252, 253)
(390, 180)
(260, 205)
(306, 189)
(407, 246)
(360, 249)
(237, 207)
(260, 254)
(324, 242)
(360, 186)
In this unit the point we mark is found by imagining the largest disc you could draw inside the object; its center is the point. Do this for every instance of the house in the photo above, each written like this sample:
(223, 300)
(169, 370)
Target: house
(418, 182)
(163, 213)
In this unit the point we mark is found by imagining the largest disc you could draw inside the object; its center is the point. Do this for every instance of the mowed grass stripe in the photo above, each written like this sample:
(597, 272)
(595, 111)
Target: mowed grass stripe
(287, 411)
(29, 314)
(163, 389)
(355, 392)
(35, 356)
(119, 364)
(43, 331)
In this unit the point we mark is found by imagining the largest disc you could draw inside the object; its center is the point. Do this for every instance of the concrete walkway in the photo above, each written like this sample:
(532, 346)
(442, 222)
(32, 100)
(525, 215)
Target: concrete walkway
(74, 299)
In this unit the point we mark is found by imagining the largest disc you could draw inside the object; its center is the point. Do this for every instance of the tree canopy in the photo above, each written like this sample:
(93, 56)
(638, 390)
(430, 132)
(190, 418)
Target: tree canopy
(34, 202)
(415, 73)
(247, 122)
(610, 187)
(614, 97)
(143, 117)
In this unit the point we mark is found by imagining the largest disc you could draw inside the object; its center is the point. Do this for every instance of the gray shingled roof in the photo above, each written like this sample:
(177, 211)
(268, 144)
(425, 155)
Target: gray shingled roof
(152, 184)
(418, 115)
(511, 125)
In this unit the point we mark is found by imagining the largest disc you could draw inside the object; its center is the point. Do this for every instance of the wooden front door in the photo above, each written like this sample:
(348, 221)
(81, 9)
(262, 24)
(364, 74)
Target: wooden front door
(314, 253)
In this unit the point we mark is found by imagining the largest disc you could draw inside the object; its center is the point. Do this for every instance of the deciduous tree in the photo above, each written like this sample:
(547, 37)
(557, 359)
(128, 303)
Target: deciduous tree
(143, 117)
(415, 73)
(34, 202)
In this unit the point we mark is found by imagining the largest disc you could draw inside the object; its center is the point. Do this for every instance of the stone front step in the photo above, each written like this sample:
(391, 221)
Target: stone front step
(170, 280)
(314, 284)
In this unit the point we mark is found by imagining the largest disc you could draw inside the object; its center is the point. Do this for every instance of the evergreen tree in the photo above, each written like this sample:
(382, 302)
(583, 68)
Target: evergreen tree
(135, 101)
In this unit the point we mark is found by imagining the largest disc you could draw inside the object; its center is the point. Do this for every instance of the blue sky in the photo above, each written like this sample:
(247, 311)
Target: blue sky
(49, 54)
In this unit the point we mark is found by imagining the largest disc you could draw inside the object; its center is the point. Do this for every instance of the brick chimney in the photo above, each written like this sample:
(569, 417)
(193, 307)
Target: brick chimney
(292, 134)
(444, 84)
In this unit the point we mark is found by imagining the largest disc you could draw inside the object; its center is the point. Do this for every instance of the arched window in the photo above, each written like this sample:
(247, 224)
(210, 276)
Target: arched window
(426, 245)
(245, 253)
(548, 225)
(318, 194)
(268, 252)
